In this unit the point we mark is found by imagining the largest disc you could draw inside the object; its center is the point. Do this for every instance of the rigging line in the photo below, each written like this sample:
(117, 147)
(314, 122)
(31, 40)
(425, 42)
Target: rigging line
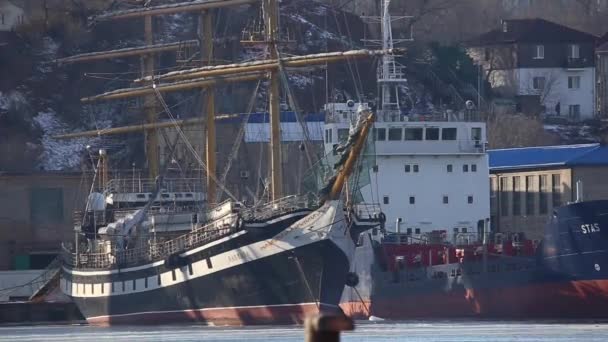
(294, 104)
(239, 138)
(348, 60)
(353, 45)
(189, 145)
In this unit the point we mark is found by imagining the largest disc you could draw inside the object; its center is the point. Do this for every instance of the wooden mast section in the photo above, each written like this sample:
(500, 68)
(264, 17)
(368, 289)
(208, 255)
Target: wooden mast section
(127, 52)
(205, 27)
(271, 13)
(346, 169)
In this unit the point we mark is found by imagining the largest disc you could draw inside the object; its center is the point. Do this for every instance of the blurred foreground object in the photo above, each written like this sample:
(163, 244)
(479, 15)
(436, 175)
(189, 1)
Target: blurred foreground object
(327, 328)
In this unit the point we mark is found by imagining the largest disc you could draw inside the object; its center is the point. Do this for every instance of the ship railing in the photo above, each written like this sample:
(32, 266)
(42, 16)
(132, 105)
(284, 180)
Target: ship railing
(276, 207)
(367, 211)
(134, 185)
(396, 115)
(154, 251)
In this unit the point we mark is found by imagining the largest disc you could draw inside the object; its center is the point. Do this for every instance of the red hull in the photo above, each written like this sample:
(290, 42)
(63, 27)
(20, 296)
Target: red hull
(575, 299)
(236, 316)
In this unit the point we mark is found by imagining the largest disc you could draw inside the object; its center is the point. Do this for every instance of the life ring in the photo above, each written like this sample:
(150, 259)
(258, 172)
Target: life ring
(382, 217)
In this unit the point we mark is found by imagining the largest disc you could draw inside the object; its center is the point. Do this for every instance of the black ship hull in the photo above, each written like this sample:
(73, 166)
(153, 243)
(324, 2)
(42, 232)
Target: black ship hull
(568, 278)
(245, 278)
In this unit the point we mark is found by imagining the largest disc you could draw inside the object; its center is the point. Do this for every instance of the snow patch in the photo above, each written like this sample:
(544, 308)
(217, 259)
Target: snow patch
(300, 81)
(12, 99)
(58, 154)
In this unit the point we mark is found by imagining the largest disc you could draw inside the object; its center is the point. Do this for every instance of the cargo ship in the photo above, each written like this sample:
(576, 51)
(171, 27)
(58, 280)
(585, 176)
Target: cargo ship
(506, 276)
(164, 249)
(438, 256)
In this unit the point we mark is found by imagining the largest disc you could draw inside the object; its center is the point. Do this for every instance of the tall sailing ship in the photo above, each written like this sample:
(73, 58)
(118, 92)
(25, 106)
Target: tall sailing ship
(162, 250)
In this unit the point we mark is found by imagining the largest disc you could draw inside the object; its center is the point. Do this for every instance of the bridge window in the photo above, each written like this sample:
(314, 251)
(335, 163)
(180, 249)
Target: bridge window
(417, 230)
(409, 231)
(470, 199)
(446, 200)
(395, 134)
(342, 134)
(416, 168)
(432, 133)
(448, 134)
(413, 133)
(385, 200)
(465, 168)
(412, 200)
(408, 168)
(380, 134)
(473, 167)
(450, 168)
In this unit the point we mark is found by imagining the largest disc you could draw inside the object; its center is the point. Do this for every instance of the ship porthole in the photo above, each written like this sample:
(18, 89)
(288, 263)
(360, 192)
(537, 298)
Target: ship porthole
(352, 279)
(597, 267)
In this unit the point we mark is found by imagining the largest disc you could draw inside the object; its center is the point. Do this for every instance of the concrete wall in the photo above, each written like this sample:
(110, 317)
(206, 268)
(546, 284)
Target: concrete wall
(595, 183)
(19, 232)
(10, 279)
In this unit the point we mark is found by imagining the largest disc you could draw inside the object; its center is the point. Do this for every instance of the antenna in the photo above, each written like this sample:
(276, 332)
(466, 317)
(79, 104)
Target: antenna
(390, 73)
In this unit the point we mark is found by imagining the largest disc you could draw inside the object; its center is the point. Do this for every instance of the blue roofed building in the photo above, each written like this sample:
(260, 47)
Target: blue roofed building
(527, 183)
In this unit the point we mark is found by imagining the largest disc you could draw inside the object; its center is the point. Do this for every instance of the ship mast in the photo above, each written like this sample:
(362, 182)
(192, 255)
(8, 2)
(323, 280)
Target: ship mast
(390, 73)
(206, 77)
(271, 14)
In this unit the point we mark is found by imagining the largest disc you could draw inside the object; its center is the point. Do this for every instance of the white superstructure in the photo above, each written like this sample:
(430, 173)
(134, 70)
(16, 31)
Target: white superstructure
(431, 171)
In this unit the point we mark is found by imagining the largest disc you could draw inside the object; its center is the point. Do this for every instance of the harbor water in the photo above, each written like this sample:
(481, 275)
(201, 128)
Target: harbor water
(365, 331)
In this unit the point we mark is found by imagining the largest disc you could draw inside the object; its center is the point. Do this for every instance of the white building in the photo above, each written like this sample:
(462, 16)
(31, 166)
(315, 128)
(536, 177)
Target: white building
(11, 16)
(546, 67)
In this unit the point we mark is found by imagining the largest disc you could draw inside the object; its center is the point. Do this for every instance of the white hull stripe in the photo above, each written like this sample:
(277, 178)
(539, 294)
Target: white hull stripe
(214, 309)
(313, 228)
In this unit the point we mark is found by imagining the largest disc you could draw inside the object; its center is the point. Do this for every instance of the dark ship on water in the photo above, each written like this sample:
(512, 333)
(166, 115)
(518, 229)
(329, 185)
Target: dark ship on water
(504, 276)
(158, 250)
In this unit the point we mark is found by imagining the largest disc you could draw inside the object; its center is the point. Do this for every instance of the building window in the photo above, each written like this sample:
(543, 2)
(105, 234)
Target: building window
(538, 83)
(342, 135)
(504, 196)
(448, 134)
(417, 230)
(412, 200)
(330, 135)
(432, 133)
(46, 205)
(408, 231)
(470, 199)
(556, 190)
(385, 200)
(416, 168)
(446, 199)
(530, 205)
(516, 196)
(574, 82)
(540, 52)
(380, 134)
(473, 167)
(413, 133)
(574, 111)
(395, 134)
(465, 168)
(574, 51)
(476, 134)
(408, 168)
(450, 168)
(543, 199)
